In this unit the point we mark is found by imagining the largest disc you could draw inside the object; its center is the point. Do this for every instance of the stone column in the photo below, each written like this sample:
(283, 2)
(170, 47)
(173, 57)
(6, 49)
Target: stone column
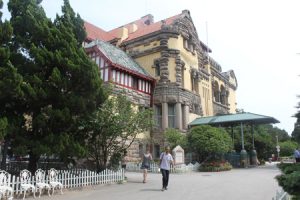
(185, 117)
(164, 116)
(178, 116)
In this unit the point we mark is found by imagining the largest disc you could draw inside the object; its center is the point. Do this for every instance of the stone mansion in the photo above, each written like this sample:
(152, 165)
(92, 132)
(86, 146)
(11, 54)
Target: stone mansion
(162, 65)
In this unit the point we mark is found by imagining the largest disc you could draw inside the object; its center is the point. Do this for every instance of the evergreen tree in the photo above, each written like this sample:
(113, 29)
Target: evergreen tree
(64, 84)
(11, 90)
(296, 131)
(72, 22)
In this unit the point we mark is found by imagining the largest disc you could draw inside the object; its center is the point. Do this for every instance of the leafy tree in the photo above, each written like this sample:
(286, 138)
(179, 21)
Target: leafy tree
(63, 84)
(174, 138)
(287, 148)
(208, 141)
(264, 139)
(113, 128)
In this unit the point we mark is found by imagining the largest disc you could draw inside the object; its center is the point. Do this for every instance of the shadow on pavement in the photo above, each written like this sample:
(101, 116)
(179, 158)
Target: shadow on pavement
(153, 190)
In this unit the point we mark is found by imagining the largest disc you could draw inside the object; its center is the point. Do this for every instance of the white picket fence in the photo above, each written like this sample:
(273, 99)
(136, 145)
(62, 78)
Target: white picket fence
(181, 168)
(76, 179)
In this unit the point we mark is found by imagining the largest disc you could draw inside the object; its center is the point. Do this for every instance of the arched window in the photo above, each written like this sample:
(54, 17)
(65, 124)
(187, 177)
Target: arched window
(223, 95)
(216, 91)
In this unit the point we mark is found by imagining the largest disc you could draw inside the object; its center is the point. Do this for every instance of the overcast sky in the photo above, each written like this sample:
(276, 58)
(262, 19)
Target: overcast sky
(258, 39)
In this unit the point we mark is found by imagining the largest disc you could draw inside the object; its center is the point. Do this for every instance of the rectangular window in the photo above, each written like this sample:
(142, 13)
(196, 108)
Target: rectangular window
(122, 78)
(129, 81)
(118, 77)
(97, 60)
(126, 80)
(134, 83)
(139, 84)
(157, 69)
(101, 62)
(106, 74)
(158, 116)
(101, 72)
(147, 87)
(171, 115)
(113, 75)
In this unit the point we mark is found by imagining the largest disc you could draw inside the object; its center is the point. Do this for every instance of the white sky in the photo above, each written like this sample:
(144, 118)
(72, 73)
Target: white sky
(258, 39)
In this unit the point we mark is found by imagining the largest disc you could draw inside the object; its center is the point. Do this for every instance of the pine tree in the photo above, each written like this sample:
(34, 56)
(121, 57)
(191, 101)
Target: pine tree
(296, 131)
(11, 90)
(65, 84)
(72, 22)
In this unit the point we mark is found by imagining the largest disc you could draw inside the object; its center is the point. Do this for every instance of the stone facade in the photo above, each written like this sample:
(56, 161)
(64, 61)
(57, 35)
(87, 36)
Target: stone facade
(189, 83)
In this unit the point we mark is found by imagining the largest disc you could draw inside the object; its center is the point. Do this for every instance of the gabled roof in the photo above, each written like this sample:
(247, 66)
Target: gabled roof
(234, 119)
(94, 32)
(118, 57)
(151, 28)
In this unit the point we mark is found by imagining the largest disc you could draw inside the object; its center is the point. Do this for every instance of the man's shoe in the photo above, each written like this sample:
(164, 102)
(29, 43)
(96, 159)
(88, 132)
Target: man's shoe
(162, 189)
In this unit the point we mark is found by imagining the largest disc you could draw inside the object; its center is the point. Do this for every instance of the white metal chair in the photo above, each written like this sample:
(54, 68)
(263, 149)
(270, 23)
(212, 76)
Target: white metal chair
(4, 185)
(41, 182)
(25, 179)
(53, 180)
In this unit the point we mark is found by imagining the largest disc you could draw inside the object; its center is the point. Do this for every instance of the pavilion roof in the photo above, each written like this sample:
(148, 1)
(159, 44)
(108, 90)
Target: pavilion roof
(232, 119)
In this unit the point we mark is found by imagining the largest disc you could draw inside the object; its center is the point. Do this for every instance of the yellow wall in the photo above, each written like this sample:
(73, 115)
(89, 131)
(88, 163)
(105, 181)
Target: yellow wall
(187, 57)
(145, 47)
(192, 117)
(147, 62)
(206, 98)
(232, 101)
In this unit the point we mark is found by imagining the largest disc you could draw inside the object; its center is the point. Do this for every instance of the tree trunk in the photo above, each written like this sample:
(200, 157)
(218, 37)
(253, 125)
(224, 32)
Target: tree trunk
(4, 155)
(33, 159)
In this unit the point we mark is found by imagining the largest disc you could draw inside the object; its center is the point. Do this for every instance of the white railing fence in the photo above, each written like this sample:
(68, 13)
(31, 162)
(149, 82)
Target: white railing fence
(281, 195)
(76, 179)
(181, 168)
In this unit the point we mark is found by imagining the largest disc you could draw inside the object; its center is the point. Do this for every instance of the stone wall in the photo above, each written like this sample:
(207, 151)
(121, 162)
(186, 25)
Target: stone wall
(134, 96)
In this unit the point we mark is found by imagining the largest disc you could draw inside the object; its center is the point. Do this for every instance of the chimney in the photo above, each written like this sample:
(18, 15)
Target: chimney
(148, 19)
(123, 33)
(132, 28)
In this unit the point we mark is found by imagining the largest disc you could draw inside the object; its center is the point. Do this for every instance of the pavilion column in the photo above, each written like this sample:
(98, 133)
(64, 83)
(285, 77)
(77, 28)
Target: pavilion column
(164, 116)
(243, 158)
(178, 116)
(253, 151)
(232, 137)
(185, 116)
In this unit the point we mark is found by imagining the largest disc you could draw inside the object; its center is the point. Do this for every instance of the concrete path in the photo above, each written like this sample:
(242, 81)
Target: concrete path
(237, 184)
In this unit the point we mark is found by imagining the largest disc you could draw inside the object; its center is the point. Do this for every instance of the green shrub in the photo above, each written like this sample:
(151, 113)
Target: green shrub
(215, 166)
(290, 179)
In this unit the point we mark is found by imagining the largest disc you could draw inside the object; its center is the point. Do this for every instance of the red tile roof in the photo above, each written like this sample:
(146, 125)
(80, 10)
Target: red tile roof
(150, 28)
(94, 32)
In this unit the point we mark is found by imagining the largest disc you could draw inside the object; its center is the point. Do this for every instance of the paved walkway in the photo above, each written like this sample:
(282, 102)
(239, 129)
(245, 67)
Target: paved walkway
(237, 184)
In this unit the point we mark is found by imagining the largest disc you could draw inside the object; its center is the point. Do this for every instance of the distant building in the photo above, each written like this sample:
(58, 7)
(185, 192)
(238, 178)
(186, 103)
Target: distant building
(165, 66)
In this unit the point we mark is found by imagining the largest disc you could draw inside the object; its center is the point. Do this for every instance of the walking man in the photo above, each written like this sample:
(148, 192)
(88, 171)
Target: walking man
(166, 160)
